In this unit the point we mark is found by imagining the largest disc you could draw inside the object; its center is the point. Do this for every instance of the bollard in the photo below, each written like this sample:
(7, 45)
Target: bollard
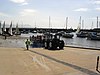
(97, 63)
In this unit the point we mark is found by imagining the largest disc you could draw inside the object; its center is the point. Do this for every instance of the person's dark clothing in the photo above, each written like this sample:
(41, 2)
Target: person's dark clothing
(27, 44)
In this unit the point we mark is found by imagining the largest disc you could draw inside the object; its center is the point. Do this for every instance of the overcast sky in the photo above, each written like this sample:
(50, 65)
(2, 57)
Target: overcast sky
(37, 12)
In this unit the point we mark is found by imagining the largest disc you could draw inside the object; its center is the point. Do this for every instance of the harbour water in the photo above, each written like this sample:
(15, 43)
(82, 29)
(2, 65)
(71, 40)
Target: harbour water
(75, 41)
(82, 42)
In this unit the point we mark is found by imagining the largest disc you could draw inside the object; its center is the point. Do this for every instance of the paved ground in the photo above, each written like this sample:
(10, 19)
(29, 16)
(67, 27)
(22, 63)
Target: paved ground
(38, 61)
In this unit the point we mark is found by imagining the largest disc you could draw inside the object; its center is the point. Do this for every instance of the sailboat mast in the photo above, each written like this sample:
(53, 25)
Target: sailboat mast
(66, 22)
(22, 25)
(0, 24)
(17, 29)
(4, 28)
(92, 25)
(97, 21)
(80, 22)
(49, 22)
(0, 28)
(35, 24)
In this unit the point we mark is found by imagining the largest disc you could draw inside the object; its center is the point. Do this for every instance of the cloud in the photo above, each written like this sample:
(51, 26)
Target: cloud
(82, 9)
(3, 14)
(18, 1)
(98, 9)
(25, 3)
(22, 2)
(28, 12)
(97, 2)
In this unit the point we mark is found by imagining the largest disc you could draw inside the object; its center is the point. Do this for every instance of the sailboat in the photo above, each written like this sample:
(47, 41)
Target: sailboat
(94, 35)
(49, 31)
(79, 26)
(78, 29)
(0, 29)
(4, 29)
(67, 34)
(81, 34)
(35, 29)
(17, 32)
(10, 30)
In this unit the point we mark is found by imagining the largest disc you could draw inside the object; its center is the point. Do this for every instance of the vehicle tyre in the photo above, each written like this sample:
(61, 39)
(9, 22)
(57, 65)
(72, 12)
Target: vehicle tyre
(54, 44)
(61, 44)
(45, 45)
(50, 45)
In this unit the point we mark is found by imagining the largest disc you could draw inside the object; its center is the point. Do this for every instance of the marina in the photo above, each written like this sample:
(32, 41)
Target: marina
(71, 37)
(75, 41)
(68, 61)
(49, 37)
(51, 52)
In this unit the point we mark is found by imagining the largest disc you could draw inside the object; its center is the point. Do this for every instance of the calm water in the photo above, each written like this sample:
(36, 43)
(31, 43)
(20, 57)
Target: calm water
(78, 42)
(82, 42)
(75, 41)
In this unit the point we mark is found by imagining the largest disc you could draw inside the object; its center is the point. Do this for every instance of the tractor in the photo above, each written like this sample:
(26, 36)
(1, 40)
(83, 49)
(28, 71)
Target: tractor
(53, 42)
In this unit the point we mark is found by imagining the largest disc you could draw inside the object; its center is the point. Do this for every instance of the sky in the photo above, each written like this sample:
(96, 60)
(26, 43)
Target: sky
(36, 13)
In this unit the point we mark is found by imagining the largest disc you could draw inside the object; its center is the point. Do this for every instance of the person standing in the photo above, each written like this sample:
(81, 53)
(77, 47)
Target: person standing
(27, 44)
(5, 37)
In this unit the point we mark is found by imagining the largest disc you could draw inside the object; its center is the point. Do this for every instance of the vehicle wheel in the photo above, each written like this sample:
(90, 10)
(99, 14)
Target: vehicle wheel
(50, 45)
(61, 44)
(45, 45)
(54, 45)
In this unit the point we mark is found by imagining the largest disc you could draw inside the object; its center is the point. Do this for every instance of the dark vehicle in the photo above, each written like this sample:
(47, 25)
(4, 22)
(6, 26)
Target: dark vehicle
(53, 42)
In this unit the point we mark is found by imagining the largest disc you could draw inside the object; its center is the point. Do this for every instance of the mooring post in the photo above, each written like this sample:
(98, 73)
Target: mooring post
(97, 63)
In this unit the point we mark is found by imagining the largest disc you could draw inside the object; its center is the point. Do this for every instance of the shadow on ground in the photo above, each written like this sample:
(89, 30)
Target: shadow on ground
(84, 70)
